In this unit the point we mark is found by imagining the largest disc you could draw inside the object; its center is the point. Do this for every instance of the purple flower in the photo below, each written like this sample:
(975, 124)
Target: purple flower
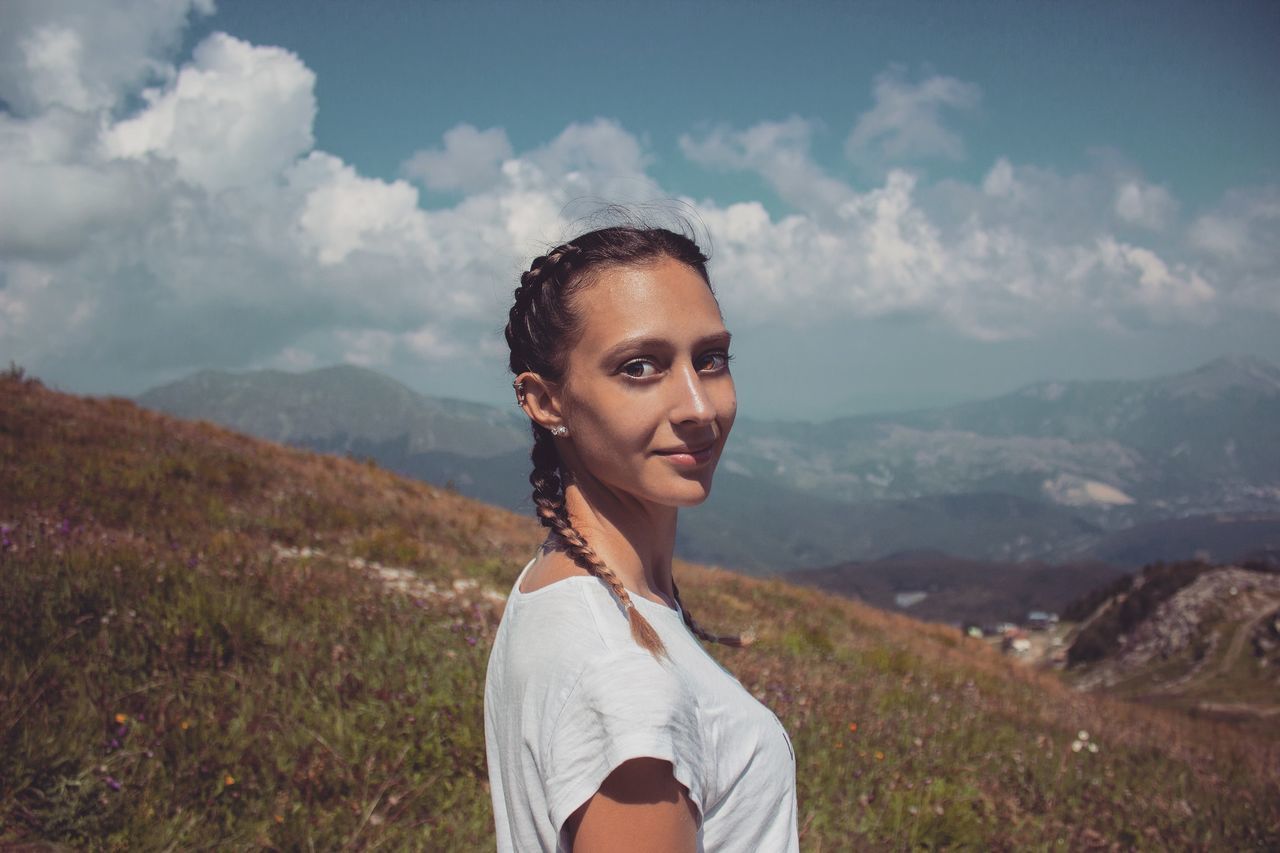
(65, 527)
(112, 782)
(471, 641)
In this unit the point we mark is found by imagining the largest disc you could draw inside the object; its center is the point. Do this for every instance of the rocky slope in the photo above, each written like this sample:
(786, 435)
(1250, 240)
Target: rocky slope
(1205, 641)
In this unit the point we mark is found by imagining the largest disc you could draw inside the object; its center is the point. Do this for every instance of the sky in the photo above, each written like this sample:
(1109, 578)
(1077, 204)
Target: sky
(906, 204)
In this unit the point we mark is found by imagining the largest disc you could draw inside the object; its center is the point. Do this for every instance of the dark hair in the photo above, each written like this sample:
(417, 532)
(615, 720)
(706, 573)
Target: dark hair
(540, 331)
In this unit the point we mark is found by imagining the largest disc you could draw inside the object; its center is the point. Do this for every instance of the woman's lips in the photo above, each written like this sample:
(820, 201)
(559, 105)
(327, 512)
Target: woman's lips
(688, 457)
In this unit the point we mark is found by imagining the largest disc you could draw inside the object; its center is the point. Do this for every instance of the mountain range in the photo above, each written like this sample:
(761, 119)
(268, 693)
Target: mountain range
(1125, 471)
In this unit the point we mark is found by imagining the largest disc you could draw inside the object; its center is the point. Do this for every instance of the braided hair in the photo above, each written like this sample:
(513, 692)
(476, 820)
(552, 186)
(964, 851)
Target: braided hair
(540, 327)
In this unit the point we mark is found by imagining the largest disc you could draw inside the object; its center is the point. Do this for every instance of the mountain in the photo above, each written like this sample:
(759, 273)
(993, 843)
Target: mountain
(341, 409)
(1124, 471)
(478, 450)
(1115, 451)
(212, 641)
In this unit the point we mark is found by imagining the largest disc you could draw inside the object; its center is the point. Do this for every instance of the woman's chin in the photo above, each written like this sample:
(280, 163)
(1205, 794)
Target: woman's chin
(691, 493)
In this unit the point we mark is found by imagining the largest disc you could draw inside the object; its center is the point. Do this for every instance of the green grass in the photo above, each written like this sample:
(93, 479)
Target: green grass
(157, 700)
(172, 679)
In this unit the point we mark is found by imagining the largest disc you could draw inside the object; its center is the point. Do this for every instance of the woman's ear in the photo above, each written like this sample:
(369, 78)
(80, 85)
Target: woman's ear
(540, 399)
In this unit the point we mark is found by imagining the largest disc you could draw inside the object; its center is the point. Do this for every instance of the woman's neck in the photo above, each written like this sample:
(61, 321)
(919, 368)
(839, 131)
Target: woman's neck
(635, 539)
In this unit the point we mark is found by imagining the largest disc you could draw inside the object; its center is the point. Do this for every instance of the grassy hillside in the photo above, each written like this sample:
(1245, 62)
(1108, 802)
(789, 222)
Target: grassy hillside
(209, 640)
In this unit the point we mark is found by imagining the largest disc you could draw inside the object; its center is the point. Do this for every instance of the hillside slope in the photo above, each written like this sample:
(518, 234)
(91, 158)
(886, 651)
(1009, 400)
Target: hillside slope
(1198, 637)
(213, 640)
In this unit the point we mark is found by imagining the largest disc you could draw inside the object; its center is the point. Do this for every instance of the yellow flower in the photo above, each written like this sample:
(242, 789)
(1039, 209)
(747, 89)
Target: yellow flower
(279, 818)
(229, 780)
(185, 724)
(120, 718)
(879, 755)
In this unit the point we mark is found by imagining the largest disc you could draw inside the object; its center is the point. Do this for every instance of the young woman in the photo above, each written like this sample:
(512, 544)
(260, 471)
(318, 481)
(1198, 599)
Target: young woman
(608, 726)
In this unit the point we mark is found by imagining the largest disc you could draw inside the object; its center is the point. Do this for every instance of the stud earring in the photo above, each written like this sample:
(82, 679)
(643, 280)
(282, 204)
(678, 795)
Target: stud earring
(560, 431)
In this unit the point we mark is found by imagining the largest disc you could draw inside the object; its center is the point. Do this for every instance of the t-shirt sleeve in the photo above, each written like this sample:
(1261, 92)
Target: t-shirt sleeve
(625, 705)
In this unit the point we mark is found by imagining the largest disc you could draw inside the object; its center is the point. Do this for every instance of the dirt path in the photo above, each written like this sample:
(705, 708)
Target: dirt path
(1223, 665)
(1242, 636)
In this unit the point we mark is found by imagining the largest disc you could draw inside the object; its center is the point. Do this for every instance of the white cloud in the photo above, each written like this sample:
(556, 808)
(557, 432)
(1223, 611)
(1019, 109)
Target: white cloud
(470, 160)
(204, 229)
(1025, 249)
(1238, 239)
(1144, 204)
(235, 117)
(86, 54)
(905, 124)
(343, 212)
(778, 152)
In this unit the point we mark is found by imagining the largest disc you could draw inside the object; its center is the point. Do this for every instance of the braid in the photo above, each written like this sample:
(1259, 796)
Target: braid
(701, 633)
(548, 499)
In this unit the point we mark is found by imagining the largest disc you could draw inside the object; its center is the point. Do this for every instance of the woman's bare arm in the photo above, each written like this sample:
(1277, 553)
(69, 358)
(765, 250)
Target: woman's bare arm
(640, 808)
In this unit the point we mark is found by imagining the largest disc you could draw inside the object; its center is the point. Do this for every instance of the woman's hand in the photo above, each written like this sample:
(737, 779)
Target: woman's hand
(640, 808)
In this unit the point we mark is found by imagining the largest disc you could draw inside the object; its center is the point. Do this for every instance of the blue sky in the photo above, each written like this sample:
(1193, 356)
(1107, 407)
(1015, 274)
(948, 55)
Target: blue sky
(1185, 89)
(908, 203)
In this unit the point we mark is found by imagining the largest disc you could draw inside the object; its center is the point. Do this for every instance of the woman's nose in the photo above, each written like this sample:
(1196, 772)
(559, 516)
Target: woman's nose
(692, 403)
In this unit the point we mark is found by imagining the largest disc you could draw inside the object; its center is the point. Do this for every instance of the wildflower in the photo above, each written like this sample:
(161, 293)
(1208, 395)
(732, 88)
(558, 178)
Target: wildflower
(120, 718)
(229, 780)
(112, 782)
(853, 727)
(184, 725)
(1093, 747)
(879, 755)
(1082, 735)
(279, 818)
(1077, 745)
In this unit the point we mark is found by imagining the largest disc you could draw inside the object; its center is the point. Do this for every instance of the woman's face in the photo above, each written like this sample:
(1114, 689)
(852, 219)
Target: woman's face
(647, 394)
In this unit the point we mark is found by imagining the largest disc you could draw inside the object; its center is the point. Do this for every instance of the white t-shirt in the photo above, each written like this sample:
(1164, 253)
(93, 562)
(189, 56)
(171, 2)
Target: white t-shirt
(569, 696)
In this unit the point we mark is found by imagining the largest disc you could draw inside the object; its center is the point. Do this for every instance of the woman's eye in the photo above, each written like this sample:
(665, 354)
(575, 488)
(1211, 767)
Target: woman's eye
(639, 369)
(714, 361)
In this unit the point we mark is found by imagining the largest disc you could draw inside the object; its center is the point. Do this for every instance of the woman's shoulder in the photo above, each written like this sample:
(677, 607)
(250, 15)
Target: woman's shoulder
(572, 629)
(546, 568)
(557, 625)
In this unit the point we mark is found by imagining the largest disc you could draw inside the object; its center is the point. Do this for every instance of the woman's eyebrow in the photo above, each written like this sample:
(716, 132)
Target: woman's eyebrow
(654, 342)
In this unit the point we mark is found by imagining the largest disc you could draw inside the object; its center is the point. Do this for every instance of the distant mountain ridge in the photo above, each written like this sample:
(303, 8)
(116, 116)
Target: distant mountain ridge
(340, 408)
(1054, 471)
(1203, 441)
